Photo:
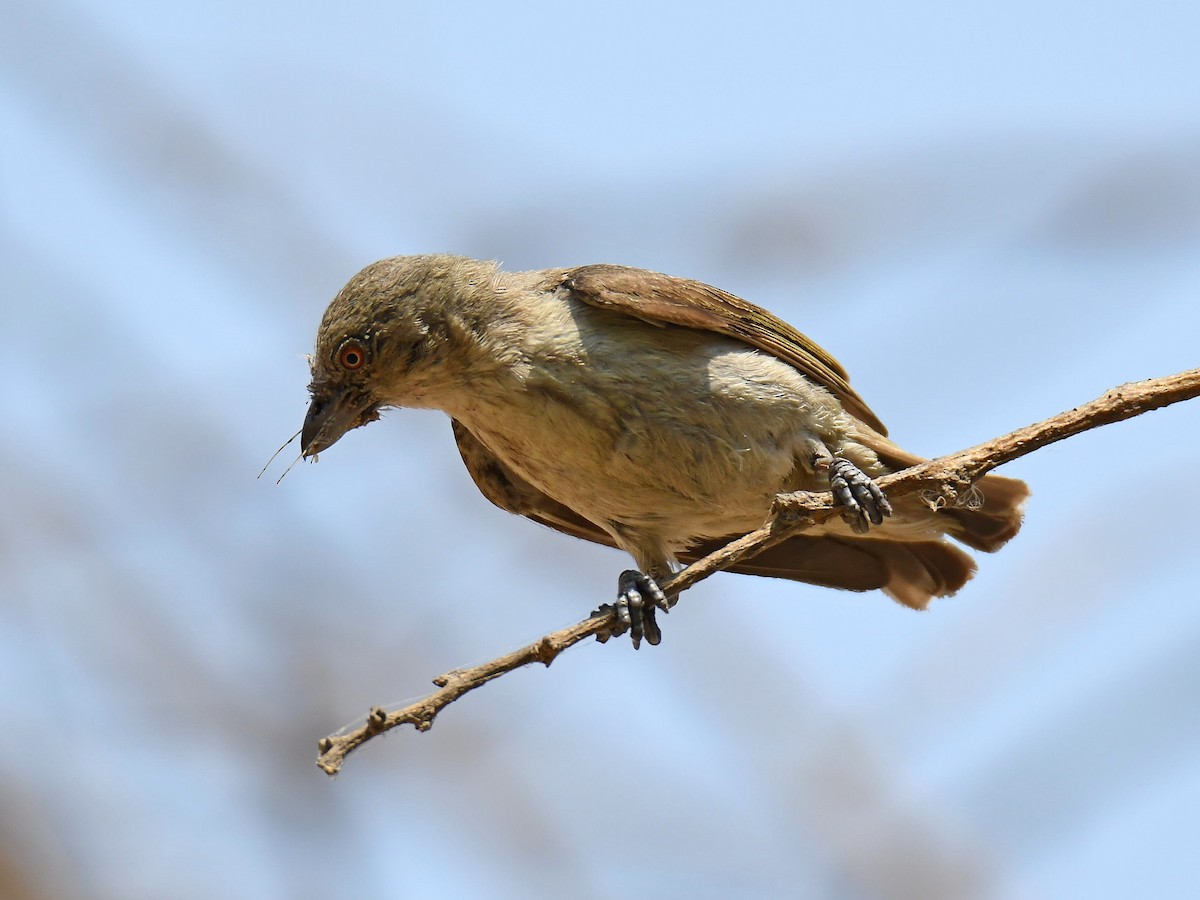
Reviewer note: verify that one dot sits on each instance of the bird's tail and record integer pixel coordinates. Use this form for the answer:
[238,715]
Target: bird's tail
[911,566]
[986,518]
[910,572]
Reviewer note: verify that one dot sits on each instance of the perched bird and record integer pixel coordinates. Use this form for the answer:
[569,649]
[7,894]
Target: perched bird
[642,411]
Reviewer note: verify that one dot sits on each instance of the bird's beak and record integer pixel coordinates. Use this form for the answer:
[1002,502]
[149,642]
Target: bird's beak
[332,413]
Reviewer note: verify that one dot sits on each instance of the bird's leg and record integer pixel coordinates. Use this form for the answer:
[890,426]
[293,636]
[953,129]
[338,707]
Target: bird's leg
[638,596]
[861,499]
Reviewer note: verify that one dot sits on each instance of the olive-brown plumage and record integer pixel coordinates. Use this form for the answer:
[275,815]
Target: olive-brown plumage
[641,411]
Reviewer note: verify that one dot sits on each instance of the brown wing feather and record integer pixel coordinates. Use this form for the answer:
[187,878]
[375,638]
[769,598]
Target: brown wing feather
[667,300]
[512,493]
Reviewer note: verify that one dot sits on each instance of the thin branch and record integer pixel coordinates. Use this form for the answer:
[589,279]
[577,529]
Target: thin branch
[940,480]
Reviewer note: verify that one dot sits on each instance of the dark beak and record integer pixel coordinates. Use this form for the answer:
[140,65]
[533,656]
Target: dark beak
[330,415]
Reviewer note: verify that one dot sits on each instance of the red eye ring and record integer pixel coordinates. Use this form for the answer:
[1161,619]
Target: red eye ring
[351,355]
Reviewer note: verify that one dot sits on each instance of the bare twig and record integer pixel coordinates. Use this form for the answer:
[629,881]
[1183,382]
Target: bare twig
[940,480]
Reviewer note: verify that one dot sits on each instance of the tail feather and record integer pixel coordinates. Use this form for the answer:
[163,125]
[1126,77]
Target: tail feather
[921,571]
[986,524]
[996,520]
[910,572]
[911,566]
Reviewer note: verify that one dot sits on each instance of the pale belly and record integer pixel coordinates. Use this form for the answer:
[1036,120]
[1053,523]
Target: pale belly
[666,460]
[656,476]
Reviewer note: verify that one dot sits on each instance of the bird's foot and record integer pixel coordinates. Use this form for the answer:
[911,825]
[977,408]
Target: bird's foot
[861,499]
[638,596]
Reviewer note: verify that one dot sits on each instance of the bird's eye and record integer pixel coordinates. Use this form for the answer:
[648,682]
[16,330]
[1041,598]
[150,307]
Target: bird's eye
[351,355]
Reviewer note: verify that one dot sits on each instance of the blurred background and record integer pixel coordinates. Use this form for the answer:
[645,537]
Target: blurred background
[988,214]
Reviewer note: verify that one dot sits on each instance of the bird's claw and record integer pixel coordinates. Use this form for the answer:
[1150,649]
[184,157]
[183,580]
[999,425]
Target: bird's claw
[638,597]
[861,499]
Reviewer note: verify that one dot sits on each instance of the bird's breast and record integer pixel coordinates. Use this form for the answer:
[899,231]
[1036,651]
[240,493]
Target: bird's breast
[685,441]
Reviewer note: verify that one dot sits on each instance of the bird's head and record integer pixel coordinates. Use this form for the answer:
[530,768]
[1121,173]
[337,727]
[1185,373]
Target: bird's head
[383,341]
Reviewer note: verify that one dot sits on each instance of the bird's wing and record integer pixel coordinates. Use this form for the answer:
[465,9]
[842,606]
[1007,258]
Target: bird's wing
[512,493]
[666,300]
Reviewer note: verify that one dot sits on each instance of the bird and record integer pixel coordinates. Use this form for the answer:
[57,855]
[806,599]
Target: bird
[647,412]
